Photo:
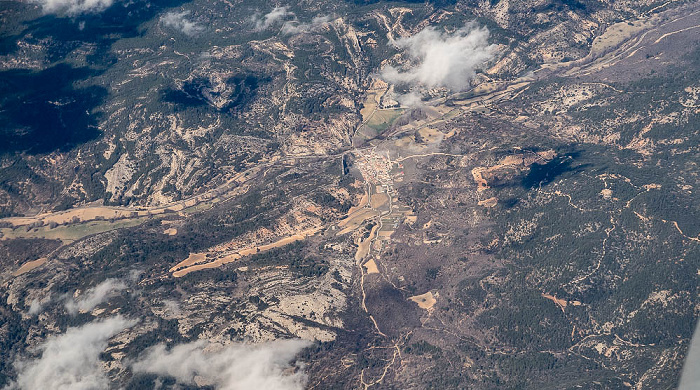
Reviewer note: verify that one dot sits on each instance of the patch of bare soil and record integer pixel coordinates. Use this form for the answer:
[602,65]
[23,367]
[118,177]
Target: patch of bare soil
[185,267]
[371,267]
[425,301]
[488,203]
[364,245]
[28,266]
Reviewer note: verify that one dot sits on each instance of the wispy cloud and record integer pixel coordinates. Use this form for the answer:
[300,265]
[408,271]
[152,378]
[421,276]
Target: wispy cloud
[177,21]
[172,307]
[37,305]
[442,59]
[235,366]
[74,7]
[278,14]
[71,360]
[95,296]
[295,27]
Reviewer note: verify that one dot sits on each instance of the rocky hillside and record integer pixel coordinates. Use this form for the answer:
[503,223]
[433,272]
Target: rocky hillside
[360,194]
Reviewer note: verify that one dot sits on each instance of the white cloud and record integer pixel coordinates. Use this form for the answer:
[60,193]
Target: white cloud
[294,27]
[70,361]
[232,367]
[94,296]
[177,21]
[441,59]
[276,15]
[411,99]
[75,7]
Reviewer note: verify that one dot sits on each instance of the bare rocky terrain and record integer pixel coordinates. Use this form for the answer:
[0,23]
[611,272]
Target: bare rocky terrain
[211,173]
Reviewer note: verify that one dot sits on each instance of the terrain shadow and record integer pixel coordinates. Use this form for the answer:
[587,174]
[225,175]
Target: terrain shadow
[199,92]
[42,111]
[121,20]
[543,174]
